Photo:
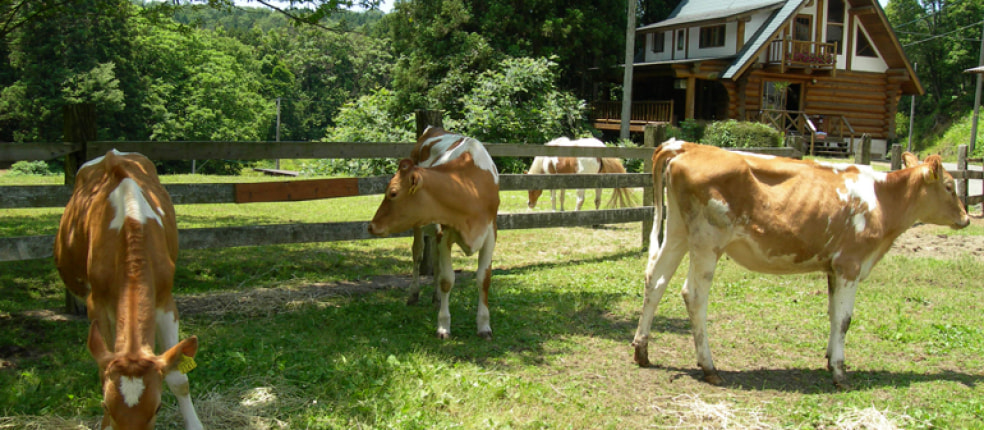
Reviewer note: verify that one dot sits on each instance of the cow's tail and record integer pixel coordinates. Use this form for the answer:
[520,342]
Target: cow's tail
[661,158]
[621,197]
[115,164]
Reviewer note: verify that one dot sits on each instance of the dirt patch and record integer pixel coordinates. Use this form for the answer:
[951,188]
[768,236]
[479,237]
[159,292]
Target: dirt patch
[263,301]
[927,241]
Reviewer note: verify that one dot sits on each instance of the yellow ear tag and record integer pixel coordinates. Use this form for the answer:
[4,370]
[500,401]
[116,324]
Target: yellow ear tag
[413,189]
[187,364]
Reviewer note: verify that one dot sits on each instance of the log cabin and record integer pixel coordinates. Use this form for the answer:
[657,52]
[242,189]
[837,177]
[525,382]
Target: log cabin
[827,71]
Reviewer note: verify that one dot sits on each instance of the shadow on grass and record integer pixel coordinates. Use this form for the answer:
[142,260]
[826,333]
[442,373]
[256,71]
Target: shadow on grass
[820,380]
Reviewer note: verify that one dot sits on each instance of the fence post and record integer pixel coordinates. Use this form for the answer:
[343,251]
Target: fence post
[424,119]
[862,153]
[79,128]
[964,183]
[652,133]
[896,156]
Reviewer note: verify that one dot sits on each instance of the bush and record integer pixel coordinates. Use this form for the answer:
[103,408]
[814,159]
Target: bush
[31,168]
[736,134]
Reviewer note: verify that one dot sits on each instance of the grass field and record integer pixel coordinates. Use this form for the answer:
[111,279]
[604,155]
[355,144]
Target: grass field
[318,336]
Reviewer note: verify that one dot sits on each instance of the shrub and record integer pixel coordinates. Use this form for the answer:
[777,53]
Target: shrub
[739,134]
[31,168]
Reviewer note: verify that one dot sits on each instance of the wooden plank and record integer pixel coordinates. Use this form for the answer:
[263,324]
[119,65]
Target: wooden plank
[26,247]
[36,247]
[295,191]
[34,196]
[10,152]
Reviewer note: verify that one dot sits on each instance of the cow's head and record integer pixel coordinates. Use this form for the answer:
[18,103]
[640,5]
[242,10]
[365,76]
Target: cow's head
[534,196]
[133,381]
[403,205]
[938,201]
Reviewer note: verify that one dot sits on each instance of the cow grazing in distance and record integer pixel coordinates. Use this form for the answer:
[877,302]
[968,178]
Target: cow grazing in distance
[779,216]
[116,247]
[621,197]
[450,180]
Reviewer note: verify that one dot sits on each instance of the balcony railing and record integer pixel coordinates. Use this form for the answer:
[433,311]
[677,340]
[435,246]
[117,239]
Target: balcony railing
[827,134]
[803,54]
[608,115]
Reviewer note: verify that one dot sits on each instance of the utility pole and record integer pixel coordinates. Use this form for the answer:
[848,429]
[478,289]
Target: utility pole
[277,161]
[627,78]
[977,96]
[912,111]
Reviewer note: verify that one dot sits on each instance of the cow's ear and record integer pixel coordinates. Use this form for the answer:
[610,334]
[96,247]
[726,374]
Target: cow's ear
[405,164]
[180,356]
[97,346]
[909,159]
[934,169]
[416,179]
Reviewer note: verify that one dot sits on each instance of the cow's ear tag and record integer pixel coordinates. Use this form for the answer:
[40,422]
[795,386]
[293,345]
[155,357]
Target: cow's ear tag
[187,364]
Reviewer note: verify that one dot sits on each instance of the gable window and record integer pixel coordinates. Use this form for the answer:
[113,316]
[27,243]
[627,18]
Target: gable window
[659,42]
[712,37]
[835,24]
[679,40]
[864,48]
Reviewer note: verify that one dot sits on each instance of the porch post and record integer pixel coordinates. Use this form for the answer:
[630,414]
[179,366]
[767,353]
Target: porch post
[627,77]
[691,95]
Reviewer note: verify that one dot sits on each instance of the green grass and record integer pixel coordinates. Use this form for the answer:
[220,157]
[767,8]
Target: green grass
[318,336]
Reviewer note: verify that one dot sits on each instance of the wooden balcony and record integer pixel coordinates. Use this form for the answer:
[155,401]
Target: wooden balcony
[830,135]
[608,115]
[798,54]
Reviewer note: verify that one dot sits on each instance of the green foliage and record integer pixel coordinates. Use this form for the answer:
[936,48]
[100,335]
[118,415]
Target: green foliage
[518,103]
[957,134]
[31,168]
[741,134]
[691,130]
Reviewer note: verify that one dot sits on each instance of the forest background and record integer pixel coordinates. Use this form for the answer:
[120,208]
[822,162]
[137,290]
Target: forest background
[519,71]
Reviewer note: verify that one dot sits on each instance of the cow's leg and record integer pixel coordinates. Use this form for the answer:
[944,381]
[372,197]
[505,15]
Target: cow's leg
[695,293]
[840,294]
[662,264]
[445,280]
[562,192]
[483,277]
[597,198]
[418,256]
[580,199]
[167,331]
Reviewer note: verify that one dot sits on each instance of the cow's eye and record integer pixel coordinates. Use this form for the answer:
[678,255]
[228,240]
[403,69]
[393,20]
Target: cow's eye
[392,193]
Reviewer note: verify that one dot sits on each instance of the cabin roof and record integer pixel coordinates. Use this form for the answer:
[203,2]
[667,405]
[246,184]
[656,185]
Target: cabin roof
[694,12]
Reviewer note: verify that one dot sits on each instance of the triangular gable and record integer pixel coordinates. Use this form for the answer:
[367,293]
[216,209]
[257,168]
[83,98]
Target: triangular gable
[760,40]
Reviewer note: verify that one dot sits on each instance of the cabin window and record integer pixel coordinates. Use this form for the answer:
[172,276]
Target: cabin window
[659,42]
[679,40]
[801,28]
[712,37]
[864,47]
[835,24]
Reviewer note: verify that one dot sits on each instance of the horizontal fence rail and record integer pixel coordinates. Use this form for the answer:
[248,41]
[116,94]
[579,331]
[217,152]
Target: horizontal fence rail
[34,247]
[36,196]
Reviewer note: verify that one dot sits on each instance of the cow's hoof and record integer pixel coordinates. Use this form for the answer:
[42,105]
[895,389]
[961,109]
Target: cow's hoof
[842,383]
[641,355]
[443,335]
[487,335]
[712,377]
[413,299]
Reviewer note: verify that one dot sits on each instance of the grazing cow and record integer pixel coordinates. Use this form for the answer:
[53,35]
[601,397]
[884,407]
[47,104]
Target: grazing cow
[116,247]
[455,184]
[777,215]
[621,197]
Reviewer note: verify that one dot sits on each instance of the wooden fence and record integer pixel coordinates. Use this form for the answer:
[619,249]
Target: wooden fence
[35,247]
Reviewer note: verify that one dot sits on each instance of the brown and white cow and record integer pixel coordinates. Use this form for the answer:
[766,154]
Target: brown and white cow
[116,247]
[777,215]
[453,183]
[621,197]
